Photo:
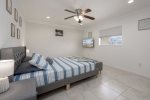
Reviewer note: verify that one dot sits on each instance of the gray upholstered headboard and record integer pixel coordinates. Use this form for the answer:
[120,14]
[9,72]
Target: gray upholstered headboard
[16,53]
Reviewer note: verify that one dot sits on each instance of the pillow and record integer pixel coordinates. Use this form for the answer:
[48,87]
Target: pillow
[26,59]
[49,60]
[35,55]
[39,61]
[26,67]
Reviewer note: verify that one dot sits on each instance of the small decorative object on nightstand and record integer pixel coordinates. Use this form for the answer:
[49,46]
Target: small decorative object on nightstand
[6,69]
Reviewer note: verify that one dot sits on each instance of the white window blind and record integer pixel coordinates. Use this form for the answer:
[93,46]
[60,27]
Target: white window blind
[115,31]
[111,36]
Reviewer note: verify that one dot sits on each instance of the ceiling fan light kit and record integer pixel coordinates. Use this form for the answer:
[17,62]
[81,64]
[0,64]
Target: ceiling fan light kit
[77,18]
[80,15]
[130,1]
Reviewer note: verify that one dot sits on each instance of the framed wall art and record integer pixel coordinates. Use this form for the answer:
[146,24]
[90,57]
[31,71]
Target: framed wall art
[9,6]
[58,32]
[20,21]
[89,34]
[12,30]
[15,14]
[144,24]
[18,33]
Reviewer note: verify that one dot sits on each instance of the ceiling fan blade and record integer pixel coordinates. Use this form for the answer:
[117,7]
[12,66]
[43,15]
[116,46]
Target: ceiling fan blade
[70,11]
[69,17]
[88,10]
[89,17]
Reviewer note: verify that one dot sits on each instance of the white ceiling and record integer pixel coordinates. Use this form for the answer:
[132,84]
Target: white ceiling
[37,10]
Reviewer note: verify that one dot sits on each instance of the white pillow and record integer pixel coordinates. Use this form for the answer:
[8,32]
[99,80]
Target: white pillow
[39,61]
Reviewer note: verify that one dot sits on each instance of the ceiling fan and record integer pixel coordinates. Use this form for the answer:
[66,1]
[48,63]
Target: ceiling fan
[79,15]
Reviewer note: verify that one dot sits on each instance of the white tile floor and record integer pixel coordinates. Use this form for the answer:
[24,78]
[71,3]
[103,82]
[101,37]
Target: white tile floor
[112,84]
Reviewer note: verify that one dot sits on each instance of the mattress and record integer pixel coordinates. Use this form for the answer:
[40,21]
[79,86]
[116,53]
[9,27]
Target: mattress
[62,68]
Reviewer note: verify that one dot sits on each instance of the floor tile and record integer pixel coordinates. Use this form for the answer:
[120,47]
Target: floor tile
[55,95]
[133,94]
[121,98]
[111,84]
[104,93]
[116,86]
[88,95]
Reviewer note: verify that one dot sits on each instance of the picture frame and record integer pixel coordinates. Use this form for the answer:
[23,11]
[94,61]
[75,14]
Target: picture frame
[9,6]
[58,32]
[18,33]
[144,24]
[12,30]
[20,21]
[89,34]
[16,14]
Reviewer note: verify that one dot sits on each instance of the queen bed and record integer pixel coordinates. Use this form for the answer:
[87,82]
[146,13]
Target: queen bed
[63,71]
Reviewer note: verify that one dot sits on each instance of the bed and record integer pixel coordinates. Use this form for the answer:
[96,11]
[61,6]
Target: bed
[63,71]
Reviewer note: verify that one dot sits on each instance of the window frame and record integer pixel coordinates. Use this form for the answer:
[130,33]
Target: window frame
[110,44]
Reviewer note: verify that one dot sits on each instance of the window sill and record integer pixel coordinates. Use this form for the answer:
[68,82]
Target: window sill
[111,45]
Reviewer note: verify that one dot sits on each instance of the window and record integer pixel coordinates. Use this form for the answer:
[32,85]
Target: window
[112,36]
[111,40]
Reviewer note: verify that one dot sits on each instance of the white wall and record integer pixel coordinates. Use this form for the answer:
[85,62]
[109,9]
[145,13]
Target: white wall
[134,54]
[5,26]
[40,38]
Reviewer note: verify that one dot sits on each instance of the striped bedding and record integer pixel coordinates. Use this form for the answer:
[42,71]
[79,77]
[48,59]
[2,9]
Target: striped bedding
[62,68]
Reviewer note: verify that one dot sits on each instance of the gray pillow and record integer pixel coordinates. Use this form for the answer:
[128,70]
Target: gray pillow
[49,60]
[26,59]
[26,67]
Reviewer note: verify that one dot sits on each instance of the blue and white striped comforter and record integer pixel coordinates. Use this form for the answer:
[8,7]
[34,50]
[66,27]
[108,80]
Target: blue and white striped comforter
[62,67]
